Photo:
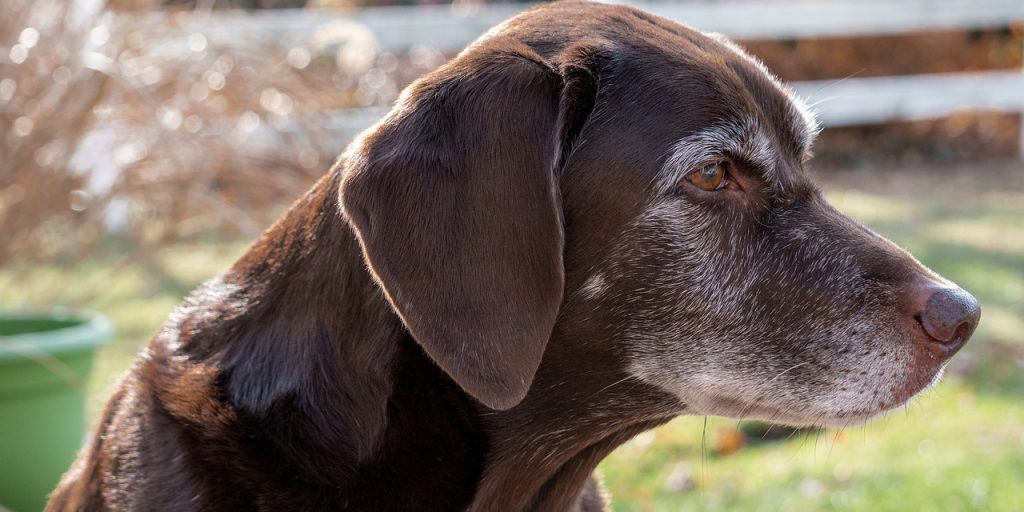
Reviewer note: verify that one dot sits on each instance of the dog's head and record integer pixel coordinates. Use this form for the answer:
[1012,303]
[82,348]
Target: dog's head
[642,185]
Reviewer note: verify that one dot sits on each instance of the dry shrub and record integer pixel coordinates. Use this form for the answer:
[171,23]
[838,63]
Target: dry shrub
[141,127]
[47,95]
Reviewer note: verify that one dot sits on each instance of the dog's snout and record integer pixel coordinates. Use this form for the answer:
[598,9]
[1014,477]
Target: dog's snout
[948,314]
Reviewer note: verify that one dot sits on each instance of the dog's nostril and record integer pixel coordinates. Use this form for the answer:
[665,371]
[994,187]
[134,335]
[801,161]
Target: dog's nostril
[950,316]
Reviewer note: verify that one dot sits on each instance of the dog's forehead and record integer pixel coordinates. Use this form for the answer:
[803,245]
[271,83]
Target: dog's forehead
[725,102]
[788,115]
[675,85]
[741,110]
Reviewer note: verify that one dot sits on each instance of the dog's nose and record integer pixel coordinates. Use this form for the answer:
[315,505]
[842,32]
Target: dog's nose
[949,316]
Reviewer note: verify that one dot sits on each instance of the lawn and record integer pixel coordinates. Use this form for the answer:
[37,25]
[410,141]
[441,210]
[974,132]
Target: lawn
[959,447]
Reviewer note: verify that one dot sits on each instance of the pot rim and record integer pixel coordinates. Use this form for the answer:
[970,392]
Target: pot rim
[91,330]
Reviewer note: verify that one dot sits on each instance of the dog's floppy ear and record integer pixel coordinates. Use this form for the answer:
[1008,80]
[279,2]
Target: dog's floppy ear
[453,197]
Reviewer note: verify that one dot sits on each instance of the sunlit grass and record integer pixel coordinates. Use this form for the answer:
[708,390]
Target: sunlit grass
[954,449]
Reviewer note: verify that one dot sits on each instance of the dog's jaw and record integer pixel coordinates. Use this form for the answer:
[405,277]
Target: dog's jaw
[834,412]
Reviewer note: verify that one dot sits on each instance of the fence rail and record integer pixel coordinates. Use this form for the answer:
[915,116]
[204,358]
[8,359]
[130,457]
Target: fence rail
[913,97]
[839,102]
[450,27]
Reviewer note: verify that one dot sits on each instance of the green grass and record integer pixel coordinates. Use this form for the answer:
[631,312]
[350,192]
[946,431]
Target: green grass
[135,296]
[959,447]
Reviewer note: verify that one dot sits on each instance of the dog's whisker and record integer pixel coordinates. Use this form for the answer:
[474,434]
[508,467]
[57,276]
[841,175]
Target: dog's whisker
[771,425]
[704,456]
[787,370]
[835,438]
[834,83]
[609,386]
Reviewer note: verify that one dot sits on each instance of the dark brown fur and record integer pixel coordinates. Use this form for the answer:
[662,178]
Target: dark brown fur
[412,334]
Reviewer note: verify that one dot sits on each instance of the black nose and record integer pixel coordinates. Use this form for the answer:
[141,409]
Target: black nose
[950,316]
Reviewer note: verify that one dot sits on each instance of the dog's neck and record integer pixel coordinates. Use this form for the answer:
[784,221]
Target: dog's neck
[319,370]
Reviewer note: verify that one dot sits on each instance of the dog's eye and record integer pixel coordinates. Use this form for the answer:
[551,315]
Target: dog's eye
[711,177]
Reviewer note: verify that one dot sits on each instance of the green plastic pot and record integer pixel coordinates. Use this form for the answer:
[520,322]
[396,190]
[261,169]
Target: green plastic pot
[44,362]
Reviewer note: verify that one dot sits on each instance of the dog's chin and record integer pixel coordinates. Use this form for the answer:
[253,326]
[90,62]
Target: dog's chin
[822,412]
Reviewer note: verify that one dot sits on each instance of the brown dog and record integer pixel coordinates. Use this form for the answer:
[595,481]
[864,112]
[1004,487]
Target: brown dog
[589,222]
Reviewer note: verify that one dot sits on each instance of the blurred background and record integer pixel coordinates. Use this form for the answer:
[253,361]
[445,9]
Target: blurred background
[144,143]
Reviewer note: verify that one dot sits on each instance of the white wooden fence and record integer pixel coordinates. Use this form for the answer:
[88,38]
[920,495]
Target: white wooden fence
[845,102]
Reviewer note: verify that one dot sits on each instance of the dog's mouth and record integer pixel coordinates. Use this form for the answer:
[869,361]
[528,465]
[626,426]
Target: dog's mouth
[909,372]
[868,389]
[813,416]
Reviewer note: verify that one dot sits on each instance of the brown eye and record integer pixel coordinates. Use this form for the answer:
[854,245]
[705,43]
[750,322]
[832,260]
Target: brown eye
[711,177]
